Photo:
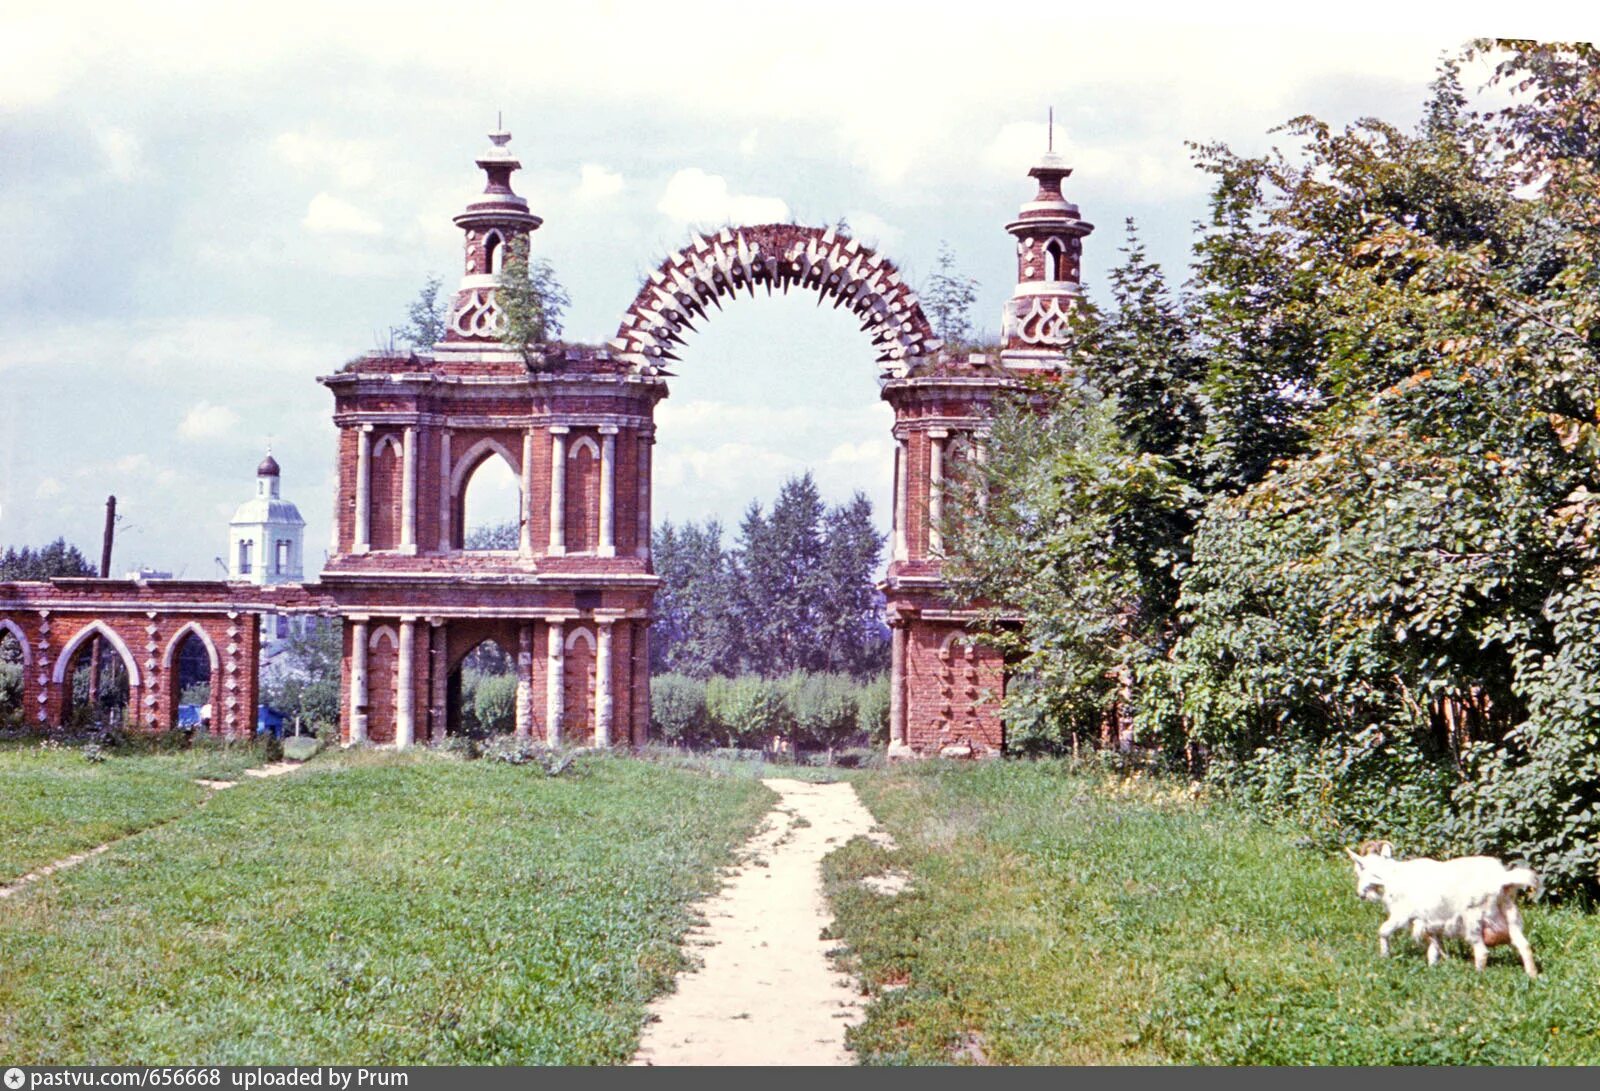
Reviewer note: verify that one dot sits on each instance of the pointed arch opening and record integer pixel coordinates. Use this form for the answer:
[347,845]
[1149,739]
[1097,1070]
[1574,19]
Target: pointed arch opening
[191,669]
[14,662]
[1055,260]
[101,674]
[481,699]
[494,252]
[487,493]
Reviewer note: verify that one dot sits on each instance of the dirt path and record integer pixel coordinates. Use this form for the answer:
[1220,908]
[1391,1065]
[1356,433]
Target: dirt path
[765,993]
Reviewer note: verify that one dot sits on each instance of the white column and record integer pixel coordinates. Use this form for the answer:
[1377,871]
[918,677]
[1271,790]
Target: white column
[558,489]
[899,517]
[525,681]
[936,439]
[602,685]
[439,691]
[980,453]
[405,698]
[644,442]
[525,543]
[444,490]
[608,490]
[555,693]
[358,682]
[408,491]
[897,688]
[363,539]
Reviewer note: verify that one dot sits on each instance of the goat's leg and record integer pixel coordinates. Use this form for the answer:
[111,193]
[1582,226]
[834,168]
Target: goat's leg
[1520,941]
[1480,953]
[1435,952]
[1385,930]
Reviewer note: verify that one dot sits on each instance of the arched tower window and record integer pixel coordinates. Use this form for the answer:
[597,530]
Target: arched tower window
[245,549]
[493,252]
[1055,260]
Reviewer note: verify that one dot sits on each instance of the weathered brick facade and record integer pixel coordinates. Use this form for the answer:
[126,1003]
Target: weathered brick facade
[571,602]
[144,624]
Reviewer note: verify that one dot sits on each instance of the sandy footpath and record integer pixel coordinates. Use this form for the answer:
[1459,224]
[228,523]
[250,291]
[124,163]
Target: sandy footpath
[765,992]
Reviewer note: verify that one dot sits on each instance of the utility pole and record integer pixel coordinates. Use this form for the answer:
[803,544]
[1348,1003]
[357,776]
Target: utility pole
[105,573]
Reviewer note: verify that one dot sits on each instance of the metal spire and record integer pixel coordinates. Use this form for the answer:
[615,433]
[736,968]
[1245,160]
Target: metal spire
[1050,145]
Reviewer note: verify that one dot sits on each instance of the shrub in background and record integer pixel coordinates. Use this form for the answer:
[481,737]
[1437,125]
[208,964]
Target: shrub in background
[678,710]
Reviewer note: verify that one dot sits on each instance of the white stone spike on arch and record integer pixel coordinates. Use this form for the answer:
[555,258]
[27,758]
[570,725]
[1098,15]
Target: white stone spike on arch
[382,633]
[205,639]
[95,628]
[475,457]
[9,626]
[771,256]
[580,634]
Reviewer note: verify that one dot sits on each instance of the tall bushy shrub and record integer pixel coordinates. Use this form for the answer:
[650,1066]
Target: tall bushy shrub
[494,702]
[748,710]
[823,708]
[678,711]
[872,710]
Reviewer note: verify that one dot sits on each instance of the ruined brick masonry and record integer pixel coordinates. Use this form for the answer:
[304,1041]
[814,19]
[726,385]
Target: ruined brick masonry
[571,603]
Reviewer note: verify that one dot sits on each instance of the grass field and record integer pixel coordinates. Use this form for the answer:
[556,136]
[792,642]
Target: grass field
[376,908]
[54,803]
[1072,918]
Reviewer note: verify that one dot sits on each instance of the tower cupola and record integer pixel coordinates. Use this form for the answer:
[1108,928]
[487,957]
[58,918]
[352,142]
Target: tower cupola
[490,225]
[1049,233]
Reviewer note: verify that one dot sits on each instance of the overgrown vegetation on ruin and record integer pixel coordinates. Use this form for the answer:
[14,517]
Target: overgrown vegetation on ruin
[1325,522]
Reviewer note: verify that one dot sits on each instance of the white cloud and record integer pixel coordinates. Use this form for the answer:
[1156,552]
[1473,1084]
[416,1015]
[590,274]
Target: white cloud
[123,152]
[328,215]
[352,162]
[872,230]
[47,488]
[206,421]
[1156,167]
[694,197]
[596,182]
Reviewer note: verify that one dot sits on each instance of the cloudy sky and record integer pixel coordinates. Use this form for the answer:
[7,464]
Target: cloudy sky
[202,212]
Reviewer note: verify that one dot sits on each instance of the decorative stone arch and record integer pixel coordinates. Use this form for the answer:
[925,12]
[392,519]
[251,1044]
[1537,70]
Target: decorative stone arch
[781,256]
[97,628]
[380,633]
[468,464]
[9,626]
[579,444]
[476,456]
[178,638]
[948,648]
[388,438]
[580,635]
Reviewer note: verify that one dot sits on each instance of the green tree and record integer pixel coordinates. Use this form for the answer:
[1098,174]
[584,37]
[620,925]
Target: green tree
[56,559]
[947,299]
[532,300]
[303,681]
[428,316]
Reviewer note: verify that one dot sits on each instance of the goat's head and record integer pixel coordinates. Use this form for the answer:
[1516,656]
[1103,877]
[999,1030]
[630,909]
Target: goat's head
[1370,865]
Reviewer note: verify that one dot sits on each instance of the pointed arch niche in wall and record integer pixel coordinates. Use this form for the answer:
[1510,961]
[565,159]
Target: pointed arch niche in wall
[486,498]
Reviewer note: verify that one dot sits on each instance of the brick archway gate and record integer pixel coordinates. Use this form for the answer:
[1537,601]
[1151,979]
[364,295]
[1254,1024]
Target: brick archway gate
[576,426]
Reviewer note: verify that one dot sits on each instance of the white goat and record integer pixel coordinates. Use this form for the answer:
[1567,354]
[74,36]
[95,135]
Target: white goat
[1473,898]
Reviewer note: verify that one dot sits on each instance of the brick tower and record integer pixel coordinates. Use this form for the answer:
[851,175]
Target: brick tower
[571,602]
[945,688]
